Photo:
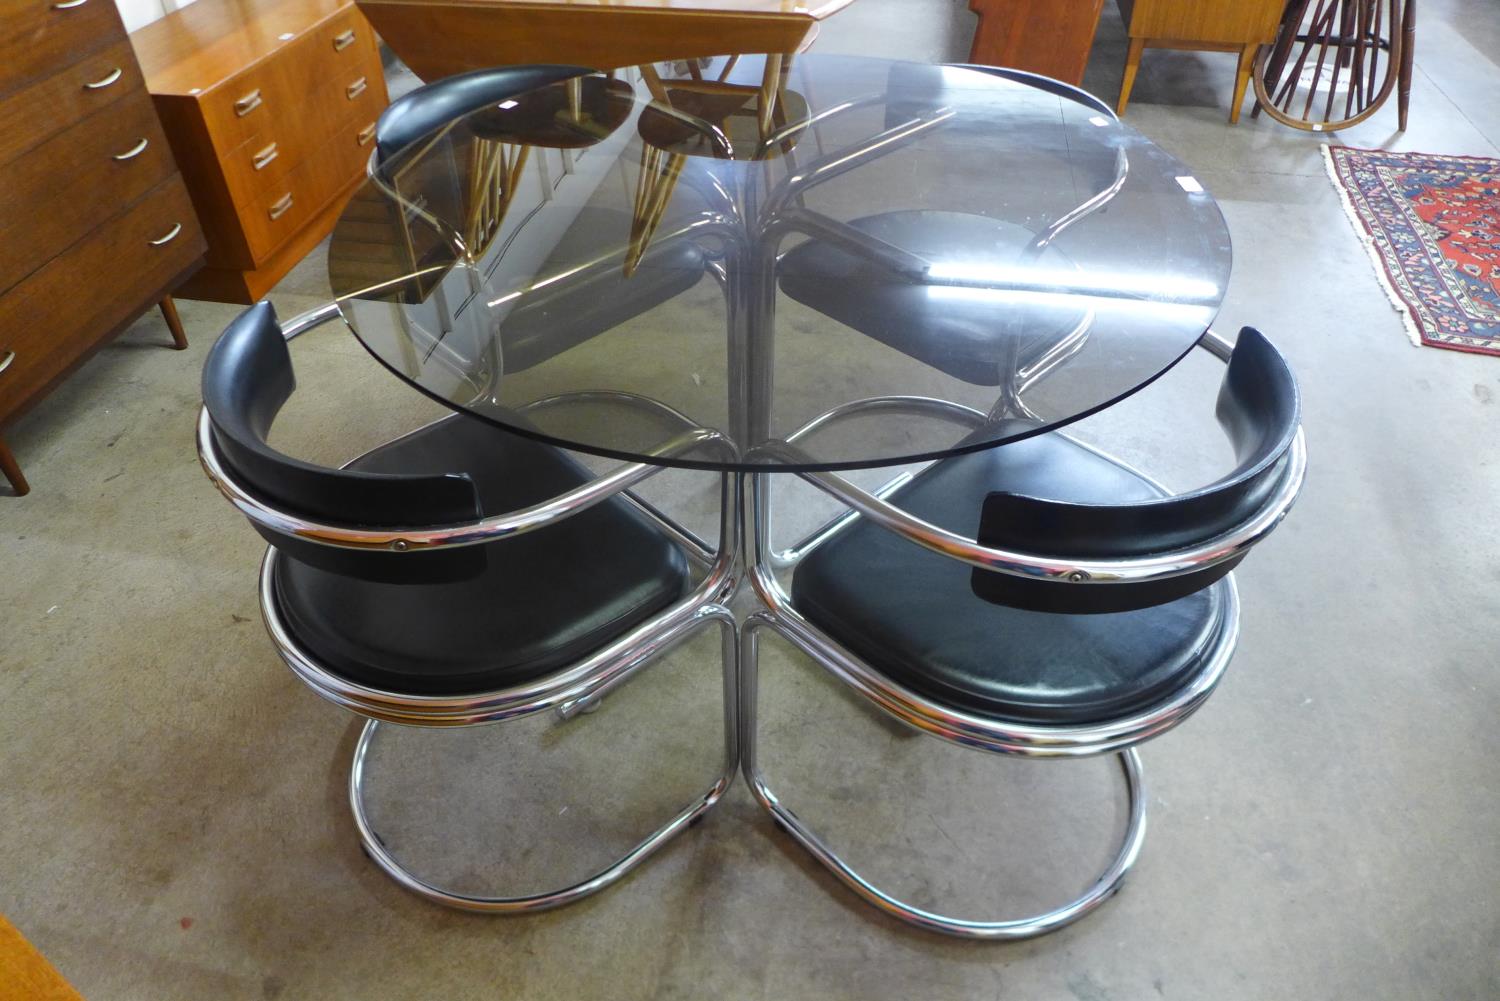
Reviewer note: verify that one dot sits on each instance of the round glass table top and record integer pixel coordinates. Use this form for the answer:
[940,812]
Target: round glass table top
[781,262]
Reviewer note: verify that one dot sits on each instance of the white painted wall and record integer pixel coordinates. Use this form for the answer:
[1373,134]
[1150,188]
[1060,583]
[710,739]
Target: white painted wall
[142,12]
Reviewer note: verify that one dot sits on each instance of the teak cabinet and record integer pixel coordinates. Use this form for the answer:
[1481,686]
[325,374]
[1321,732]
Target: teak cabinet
[1050,37]
[1239,26]
[270,107]
[95,223]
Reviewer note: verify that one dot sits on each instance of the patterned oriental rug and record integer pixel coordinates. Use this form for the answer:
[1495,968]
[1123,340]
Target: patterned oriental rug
[1431,225]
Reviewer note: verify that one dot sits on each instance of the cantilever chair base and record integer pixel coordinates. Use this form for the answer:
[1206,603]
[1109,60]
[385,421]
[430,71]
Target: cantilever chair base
[381,855]
[621,661]
[837,661]
[1101,890]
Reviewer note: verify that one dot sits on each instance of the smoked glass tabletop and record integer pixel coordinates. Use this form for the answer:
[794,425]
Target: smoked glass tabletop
[781,262]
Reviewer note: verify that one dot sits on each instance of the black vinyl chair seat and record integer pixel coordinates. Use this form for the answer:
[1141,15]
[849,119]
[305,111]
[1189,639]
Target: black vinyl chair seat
[544,599]
[965,334]
[569,312]
[913,615]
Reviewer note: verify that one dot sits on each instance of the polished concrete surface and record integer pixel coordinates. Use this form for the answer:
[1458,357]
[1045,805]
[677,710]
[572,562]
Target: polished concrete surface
[172,812]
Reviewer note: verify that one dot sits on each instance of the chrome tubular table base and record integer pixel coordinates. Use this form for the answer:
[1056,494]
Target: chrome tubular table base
[611,873]
[1008,929]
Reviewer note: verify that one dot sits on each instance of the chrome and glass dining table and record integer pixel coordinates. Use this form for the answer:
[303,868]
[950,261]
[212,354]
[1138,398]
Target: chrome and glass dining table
[854,263]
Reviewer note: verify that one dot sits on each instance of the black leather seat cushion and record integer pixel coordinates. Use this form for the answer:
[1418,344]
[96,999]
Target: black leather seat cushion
[568,312]
[967,333]
[546,599]
[912,614]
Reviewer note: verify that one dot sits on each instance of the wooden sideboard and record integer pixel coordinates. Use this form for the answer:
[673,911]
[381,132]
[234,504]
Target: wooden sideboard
[95,223]
[1208,25]
[270,107]
[1050,37]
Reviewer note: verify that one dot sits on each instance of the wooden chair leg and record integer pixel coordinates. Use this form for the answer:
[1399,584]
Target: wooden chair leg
[1132,63]
[1408,54]
[12,470]
[174,323]
[1242,80]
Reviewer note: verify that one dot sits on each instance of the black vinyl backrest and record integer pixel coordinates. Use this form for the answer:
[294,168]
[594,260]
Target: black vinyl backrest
[1258,407]
[429,107]
[246,380]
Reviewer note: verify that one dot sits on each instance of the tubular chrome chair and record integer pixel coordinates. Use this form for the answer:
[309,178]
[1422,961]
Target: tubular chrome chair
[455,576]
[1037,599]
[545,322]
[904,314]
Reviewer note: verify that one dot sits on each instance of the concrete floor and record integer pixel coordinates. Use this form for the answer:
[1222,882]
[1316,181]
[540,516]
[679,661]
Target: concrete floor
[172,822]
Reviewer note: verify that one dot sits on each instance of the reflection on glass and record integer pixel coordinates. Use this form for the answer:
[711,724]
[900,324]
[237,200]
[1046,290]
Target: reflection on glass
[749,242]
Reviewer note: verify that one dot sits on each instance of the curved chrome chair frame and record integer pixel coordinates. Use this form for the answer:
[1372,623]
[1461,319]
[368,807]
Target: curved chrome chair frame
[927,716]
[569,692]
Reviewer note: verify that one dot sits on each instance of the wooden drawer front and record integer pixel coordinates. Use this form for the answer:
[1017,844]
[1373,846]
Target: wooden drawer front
[52,195]
[38,39]
[304,192]
[32,115]
[260,167]
[303,87]
[61,310]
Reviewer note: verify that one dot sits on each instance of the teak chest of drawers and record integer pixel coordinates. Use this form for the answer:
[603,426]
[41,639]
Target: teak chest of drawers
[95,223]
[270,107]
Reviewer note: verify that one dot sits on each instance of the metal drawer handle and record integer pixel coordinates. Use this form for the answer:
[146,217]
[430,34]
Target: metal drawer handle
[134,151]
[170,236]
[366,134]
[343,40]
[68,4]
[10,356]
[263,159]
[282,204]
[248,103]
[356,88]
[106,81]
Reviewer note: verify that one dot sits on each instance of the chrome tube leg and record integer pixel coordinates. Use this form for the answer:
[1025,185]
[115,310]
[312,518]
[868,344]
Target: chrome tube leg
[1015,928]
[604,877]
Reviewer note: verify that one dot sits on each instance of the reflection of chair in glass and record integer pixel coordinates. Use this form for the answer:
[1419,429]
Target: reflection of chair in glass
[1039,599]
[953,322]
[458,575]
[582,291]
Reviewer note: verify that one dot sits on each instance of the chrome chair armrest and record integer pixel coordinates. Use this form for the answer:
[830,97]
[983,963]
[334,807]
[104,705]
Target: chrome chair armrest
[1043,240]
[486,530]
[1040,566]
[303,322]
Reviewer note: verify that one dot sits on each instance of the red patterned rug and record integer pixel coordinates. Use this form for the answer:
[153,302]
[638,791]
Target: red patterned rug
[1432,227]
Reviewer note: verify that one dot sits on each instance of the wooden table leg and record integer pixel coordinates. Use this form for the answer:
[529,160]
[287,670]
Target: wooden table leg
[1242,80]
[1132,63]
[174,323]
[1408,53]
[12,470]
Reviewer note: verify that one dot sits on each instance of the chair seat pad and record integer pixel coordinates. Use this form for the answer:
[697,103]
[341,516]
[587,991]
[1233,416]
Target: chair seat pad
[569,312]
[969,333]
[912,614]
[546,599]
